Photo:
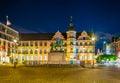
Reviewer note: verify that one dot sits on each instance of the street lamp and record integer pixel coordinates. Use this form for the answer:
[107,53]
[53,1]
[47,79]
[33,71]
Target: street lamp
[93,39]
[14,57]
[104,46]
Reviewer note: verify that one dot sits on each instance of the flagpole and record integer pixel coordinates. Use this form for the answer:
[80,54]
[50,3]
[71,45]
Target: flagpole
[7,21]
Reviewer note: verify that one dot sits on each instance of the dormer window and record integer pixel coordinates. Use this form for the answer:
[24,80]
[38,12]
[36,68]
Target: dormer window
[84,38]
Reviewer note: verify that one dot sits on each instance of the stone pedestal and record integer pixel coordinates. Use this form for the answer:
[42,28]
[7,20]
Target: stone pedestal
[57,58]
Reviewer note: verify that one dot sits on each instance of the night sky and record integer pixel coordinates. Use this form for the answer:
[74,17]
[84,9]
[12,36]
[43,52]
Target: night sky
[41,16]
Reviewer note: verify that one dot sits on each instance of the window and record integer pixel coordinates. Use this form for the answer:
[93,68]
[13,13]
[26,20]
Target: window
[19,58]
[81,50]
[40,43]
[84,38]
[4,43]
[76,50]
[23,44]
[80,43]
[26,43]
[31,43]
[45,44]
[90,58]
[90,50]
[85,43]
[31,57]
[71,50]
[35,51]
[40,57]
[71,43]
[45,58]
[90,43]
[31,51]
[85,57]
[80,57]
[40,51]
[45,51]
[77,43]
[26,58]
[36,44]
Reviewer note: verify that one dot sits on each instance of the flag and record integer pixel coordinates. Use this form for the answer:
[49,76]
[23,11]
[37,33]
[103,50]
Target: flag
[3,47]
[7,21]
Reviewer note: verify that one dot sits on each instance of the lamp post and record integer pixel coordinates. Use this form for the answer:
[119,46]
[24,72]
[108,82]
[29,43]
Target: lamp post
[93,39]
[14,57]
[104,47]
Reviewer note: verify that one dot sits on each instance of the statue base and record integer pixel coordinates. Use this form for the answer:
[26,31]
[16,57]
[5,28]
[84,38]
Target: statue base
[57,58]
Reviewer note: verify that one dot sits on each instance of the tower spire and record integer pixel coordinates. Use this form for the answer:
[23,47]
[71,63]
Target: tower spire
[71,27]
[70,18]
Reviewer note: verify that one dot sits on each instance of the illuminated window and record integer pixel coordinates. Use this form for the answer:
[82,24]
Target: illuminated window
[90,57]
[36,52]
[90,50]
[45,51]
[80,57]
[31,57]
[19,58]
[23,58]
[45,57]
[31,51]
[26,57]
[85,57]
[40,51]
[81,50]
[40,57]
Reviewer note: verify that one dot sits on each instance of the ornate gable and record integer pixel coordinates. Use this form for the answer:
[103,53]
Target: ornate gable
[58,34]
[84,36]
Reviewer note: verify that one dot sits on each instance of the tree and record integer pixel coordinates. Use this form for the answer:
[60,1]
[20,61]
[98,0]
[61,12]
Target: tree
[106,57]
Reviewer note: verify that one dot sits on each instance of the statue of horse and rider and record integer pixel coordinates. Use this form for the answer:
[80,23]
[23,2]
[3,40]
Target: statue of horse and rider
[57,44]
